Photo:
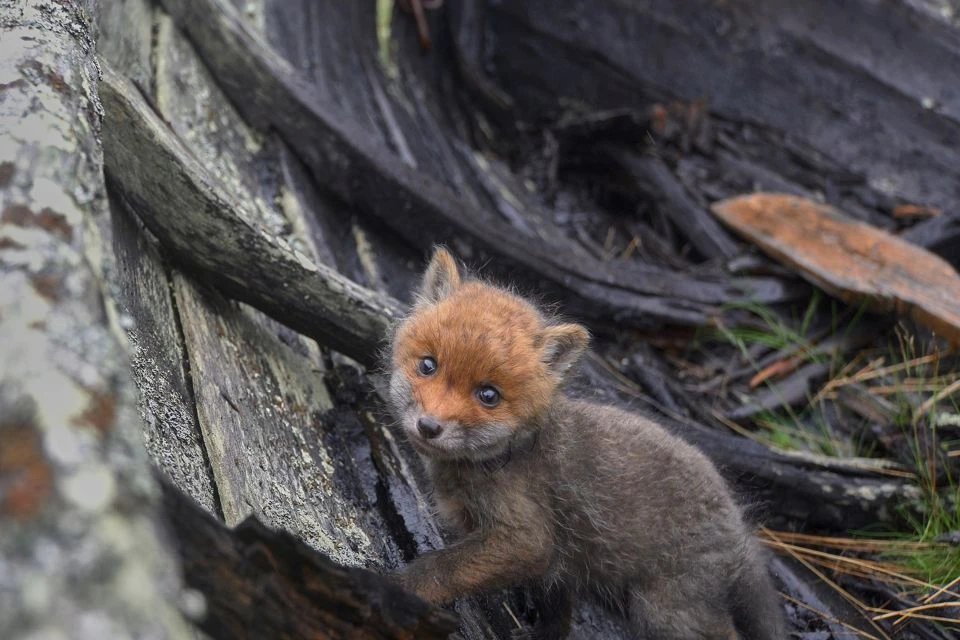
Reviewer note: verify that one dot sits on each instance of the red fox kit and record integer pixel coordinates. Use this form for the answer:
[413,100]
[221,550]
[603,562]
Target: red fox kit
[576,497]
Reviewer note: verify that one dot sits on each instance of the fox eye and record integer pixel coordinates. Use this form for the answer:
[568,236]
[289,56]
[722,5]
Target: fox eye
[488,396]
[427,366]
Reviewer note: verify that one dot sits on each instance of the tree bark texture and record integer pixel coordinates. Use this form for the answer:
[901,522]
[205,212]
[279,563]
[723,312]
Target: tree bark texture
[81,553]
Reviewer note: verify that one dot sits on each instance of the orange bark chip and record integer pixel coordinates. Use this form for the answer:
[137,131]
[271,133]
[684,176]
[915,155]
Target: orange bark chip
[852,260]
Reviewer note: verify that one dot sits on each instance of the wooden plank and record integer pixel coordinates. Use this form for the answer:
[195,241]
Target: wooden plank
[852,260]
[165,397]
[125,40]
[261,400]
[262,409]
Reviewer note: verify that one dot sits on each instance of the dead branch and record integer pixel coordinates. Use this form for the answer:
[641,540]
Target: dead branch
[209,232]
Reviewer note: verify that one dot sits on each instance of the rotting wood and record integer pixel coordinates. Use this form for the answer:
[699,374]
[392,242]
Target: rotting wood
[369,177]
[261,583]
[852,260]
[170,429]
[272,452]
[205,229]
[262,409]
[81,552]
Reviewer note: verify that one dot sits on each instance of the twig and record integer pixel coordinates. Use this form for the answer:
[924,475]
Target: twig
[933,400]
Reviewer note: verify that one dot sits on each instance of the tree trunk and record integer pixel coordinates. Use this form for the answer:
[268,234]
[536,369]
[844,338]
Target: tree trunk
[81,553]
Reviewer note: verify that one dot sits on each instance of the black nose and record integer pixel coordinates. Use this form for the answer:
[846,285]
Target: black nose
[429,427]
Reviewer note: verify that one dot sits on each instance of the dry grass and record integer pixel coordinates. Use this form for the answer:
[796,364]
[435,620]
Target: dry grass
[877,560]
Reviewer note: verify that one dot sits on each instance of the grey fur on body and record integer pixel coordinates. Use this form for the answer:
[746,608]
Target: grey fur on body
[598,502]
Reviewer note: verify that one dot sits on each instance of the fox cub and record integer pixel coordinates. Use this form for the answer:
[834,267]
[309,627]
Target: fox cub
[578,498]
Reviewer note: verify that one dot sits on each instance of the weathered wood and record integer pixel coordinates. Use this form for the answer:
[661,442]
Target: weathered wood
[334,47]
[272,452]
[124,40]
[796,389]
[166,403]
[852,260]
[206,229]
[262,409]
[827,606]
[656,181]
[367,176]
[267,458]
[261,583]
[165,399]
[940,235]
[239,159]
[869,86]
[81,553]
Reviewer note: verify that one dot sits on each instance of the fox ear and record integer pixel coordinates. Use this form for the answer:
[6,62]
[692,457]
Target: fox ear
[563,344]
[440,279]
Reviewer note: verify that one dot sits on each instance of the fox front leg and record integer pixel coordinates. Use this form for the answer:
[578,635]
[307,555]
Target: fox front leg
[477,563]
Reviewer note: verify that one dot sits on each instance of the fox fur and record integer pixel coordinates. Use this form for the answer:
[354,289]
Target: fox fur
[577,498]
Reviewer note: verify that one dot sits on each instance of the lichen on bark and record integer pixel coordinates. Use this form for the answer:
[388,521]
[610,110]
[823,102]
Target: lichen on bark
[81,554]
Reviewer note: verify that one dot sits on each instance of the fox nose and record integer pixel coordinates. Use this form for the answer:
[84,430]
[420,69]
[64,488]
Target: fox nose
[429,427]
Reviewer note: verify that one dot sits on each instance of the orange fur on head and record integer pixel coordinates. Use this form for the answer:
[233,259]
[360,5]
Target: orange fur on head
[482,335]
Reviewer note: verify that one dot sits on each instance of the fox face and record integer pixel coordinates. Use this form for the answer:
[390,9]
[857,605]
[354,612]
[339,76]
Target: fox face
[475,365]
